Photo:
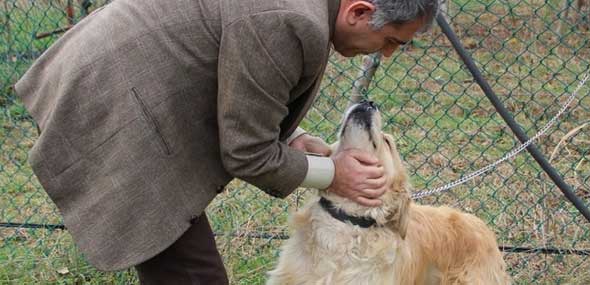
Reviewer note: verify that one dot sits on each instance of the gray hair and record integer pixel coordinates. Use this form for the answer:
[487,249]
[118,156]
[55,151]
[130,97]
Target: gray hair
[399,12]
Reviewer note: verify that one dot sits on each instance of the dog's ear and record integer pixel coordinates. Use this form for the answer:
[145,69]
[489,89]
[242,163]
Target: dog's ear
[399,217]
[404,218]
[400,194]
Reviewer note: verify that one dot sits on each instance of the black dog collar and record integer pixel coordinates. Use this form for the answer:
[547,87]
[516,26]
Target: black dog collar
[338,214]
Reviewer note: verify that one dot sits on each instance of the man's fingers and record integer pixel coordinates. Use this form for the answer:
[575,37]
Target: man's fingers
[374,193]
[374,172]
[368,202]
[375,183]
[364,157]
[311,144]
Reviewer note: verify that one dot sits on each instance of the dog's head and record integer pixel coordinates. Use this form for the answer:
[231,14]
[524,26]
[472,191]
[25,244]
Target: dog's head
[361,128]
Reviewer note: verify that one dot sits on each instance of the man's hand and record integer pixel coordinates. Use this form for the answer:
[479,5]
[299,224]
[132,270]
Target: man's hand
[309,143]
[359,177]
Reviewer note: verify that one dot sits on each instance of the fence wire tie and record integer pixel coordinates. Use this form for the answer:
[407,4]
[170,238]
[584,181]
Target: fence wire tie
[512,153]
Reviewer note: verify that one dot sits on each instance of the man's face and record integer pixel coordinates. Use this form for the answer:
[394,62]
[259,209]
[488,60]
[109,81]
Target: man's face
[354,35]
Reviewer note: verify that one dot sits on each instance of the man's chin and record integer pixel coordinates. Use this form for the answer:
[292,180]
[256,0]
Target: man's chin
[348,53]
[353,53]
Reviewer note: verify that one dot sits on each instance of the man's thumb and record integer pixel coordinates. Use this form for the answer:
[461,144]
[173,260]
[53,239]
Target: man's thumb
[325,149]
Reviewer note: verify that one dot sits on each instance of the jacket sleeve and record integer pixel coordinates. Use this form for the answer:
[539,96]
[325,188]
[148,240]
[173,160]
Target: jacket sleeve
[260,62]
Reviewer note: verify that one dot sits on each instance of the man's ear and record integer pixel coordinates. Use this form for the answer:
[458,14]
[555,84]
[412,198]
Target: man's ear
[359,11]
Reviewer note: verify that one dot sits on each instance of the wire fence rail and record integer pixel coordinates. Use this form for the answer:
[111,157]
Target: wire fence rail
[532,53]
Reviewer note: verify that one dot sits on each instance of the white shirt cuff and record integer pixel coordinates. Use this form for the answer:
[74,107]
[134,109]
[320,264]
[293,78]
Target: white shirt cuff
[320,172]
[298,131]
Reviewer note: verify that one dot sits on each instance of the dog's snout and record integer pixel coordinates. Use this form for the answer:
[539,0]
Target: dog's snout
[364,114]
[367,104]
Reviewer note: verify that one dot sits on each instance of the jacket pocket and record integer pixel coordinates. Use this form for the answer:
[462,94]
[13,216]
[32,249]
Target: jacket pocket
[151,121]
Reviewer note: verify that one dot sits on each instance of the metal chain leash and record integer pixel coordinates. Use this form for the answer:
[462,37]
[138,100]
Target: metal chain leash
[514,152]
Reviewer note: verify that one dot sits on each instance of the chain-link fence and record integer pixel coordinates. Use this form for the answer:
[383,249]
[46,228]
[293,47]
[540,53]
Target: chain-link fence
[532,53]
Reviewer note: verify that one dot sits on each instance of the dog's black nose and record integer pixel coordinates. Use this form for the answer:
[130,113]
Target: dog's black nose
[367,104]
[363,113]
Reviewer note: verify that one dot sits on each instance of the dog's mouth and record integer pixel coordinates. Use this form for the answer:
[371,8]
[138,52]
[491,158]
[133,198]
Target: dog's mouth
[362,113]
[361,127]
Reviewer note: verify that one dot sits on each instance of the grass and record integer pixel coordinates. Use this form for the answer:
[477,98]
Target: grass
[445,128]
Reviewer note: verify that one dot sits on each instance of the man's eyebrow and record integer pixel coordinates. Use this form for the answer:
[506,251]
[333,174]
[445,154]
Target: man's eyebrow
[398,41]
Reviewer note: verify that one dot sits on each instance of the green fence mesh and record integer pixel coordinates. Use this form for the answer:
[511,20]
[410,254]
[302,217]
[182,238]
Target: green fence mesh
[533,53]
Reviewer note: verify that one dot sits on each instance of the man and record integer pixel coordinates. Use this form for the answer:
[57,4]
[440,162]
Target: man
[147,109]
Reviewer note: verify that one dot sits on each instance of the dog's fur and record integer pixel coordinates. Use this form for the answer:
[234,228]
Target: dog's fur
[411,244]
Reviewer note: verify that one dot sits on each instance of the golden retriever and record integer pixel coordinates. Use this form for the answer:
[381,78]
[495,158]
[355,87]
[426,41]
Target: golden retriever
[336,241]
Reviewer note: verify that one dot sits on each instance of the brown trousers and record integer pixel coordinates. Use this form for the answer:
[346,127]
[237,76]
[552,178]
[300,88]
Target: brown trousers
[192,259]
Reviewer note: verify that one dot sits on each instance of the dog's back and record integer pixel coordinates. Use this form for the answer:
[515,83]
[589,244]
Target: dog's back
[450,247]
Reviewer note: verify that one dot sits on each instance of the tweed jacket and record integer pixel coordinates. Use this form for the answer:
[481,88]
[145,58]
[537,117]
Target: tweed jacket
[147,109]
